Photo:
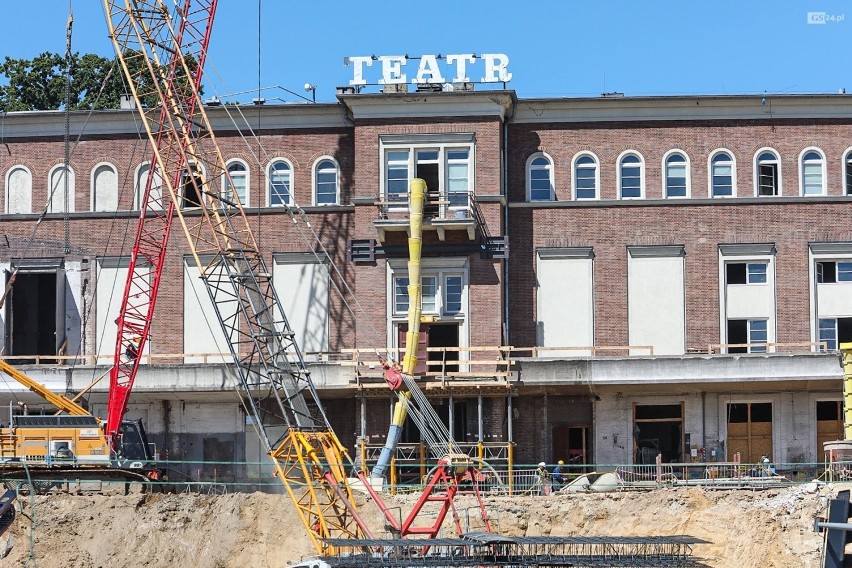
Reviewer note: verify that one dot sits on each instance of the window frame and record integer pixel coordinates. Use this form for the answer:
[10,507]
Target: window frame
[846,171]
[268,182]
[710,173]
[831,343]
[72,190]
[418,143]
[315,171]
[551,176]
[687,173]
[93,179]
[597,176]
[756,162]
[8,177]
[619,173]
[226,191]
[823,172]
[201,171]
[750,331]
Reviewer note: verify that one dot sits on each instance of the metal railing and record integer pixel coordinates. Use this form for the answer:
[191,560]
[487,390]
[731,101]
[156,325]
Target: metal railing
[478,361]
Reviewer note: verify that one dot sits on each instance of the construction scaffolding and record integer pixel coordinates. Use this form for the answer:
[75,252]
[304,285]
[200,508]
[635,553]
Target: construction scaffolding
[491,550]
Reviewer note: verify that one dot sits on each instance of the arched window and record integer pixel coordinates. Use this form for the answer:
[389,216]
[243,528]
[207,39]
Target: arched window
[191,184]
[676,180]
[326,182]
[58,201]
[540,178]
[279,183]
[586,179]
[19,190]
[723,177]
[631,176]
[155,197]
[104,188]
[812,168]
[237,187]
[767,171]
[847,172]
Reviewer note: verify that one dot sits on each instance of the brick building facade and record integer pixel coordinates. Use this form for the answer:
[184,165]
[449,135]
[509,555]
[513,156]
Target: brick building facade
[671,271]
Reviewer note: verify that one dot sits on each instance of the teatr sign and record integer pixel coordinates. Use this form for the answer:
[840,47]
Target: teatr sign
[394,68]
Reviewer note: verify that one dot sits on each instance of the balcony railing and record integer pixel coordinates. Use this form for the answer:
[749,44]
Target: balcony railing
[445,211]
[463,362]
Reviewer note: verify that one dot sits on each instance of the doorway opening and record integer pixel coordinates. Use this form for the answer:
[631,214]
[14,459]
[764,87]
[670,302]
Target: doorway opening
[750,430]
[35,317]
[572,444]
[657,429]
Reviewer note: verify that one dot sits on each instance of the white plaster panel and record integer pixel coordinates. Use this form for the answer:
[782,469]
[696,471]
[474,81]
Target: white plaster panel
[203,418]
[19,197]
[565,305]
[834,300]
[750,301]
[656,304]
[202,333]
[105,189]
[110,282]
[57,188]
[303,289]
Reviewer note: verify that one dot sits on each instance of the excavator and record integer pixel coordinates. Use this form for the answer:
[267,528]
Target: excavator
[38,450]
[161,47]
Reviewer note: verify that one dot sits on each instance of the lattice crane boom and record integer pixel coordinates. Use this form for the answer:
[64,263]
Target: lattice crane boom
[148,37]
[156,209]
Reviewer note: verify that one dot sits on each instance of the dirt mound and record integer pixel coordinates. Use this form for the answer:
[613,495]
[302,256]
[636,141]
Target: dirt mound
[770,528]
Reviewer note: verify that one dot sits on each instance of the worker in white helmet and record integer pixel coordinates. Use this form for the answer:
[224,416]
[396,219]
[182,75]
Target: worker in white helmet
[542,479]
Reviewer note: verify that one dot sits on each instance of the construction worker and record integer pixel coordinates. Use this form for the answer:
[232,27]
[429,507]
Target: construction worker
[542,479]
[132,349]
[558,473]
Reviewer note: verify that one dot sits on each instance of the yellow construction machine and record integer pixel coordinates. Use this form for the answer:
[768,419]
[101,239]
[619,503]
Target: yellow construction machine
[40,450]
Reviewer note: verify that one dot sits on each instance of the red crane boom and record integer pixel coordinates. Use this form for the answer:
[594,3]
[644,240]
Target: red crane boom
[190,43]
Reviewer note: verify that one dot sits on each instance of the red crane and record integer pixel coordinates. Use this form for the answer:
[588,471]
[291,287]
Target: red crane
[187,39]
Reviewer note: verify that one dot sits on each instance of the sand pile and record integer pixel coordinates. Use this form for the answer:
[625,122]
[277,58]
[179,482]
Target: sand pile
[769,528]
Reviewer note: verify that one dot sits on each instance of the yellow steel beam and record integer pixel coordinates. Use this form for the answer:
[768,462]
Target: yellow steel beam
[57,400]
[846,352]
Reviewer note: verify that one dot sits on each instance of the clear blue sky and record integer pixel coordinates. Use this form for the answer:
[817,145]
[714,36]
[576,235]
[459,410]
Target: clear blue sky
[556,47]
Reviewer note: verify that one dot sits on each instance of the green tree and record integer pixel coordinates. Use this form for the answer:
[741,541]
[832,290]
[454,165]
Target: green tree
[96,82]
[39,83]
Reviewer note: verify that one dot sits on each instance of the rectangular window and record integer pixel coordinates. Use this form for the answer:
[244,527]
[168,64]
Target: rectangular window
[458,177]
[427,168]
[400,295]
[428,285]
[453,294]
[757,334]
[676,180]
[746,272]
[586,188]
[396,176]
[743,333]
[446,300]
[828,333]
[831,272]
[756,272]
[445,169]
[631,181]
[428,303]
[723,185]
[812,178]
[849,174]
[767,179]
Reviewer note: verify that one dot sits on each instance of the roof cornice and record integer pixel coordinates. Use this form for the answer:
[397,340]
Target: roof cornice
[427,105]
[225,118]
[685,108]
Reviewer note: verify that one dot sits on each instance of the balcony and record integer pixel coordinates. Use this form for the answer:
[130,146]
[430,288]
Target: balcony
[443,212]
